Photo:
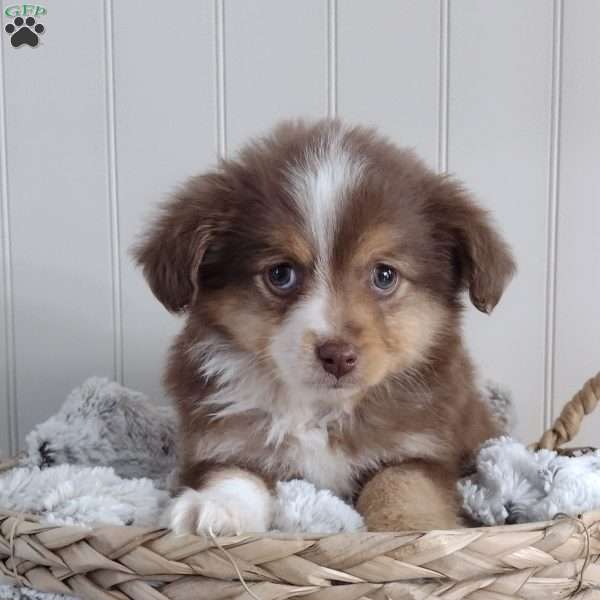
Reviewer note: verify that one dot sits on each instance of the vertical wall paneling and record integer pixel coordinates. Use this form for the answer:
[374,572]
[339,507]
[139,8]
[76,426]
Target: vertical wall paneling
[578,244]
[388,69]
[553,171]
[499,124]
[166,116]
[59,216]
[443,85]
[276,64]
[122,101]
[7,380]
[115,252]
[332,61]
[219,9]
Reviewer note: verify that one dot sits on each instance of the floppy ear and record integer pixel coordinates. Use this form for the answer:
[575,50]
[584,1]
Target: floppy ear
[483,260]
[171,250]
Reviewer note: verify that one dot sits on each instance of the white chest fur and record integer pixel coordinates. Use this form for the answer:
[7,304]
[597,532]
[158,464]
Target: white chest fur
[304,453]
[290,434]
[308,454]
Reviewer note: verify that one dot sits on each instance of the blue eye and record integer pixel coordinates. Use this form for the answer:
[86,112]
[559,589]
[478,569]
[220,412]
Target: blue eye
[282,277]
[384,277]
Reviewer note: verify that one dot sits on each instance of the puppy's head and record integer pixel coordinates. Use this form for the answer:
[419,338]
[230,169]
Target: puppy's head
[332,257]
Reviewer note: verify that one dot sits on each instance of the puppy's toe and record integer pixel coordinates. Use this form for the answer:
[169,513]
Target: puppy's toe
[205,513]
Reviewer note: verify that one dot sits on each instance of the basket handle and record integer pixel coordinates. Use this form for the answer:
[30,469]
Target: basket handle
[567,425]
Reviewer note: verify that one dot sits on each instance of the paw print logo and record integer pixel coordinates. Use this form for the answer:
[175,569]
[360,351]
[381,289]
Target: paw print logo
[24,32]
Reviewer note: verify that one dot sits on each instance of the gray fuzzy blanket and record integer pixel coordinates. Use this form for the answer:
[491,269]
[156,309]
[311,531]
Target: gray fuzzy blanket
[108,457]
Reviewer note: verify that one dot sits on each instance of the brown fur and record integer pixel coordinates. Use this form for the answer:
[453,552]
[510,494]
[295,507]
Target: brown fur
[415,495]
[415,398]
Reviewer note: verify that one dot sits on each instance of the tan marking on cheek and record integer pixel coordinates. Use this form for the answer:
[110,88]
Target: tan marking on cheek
[413,328]
[392,335]
[376,361]
[250,325]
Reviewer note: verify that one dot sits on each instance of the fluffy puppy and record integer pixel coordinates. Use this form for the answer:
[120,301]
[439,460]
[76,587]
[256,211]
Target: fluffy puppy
[321,273]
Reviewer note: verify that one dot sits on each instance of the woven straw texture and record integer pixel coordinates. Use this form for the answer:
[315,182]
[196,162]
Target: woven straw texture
[542,561]
[545,561]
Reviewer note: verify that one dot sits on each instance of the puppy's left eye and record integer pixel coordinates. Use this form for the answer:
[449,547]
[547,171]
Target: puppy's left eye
[384,278]
[282,277]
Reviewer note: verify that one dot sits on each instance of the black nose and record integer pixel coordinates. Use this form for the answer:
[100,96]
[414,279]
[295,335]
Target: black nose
[337,358]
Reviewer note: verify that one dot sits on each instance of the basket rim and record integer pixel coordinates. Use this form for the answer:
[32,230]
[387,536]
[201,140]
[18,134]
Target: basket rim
[588,518]
[84,560]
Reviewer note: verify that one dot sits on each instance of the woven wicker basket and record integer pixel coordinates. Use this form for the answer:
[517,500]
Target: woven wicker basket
[550,560]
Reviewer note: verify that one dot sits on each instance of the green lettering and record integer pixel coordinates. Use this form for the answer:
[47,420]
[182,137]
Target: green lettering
[12,11]
[40,10]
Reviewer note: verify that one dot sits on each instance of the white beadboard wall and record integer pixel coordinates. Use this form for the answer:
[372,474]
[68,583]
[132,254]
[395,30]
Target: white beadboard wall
[123,99]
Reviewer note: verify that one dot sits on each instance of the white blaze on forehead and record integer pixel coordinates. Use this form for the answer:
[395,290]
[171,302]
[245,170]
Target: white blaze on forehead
[309,315]
[319,184]
[313,311]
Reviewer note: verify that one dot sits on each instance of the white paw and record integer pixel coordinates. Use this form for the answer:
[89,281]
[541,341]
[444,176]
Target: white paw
[221,510]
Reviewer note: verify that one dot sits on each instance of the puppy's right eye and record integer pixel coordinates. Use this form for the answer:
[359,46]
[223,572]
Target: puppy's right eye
[384,278]
[282,278]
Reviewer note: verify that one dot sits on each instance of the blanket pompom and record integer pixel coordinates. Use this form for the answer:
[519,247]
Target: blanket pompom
[512,484]
[299,506]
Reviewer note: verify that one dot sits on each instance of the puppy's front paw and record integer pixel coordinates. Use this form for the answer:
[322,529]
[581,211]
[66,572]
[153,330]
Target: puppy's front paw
[221,512]
[198,513]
